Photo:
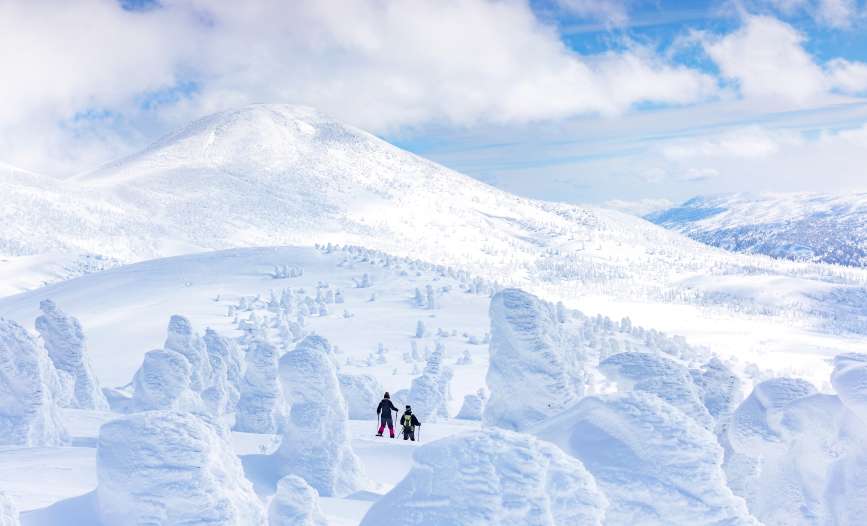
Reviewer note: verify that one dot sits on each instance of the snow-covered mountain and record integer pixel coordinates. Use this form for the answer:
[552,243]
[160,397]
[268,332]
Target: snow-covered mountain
[797,226]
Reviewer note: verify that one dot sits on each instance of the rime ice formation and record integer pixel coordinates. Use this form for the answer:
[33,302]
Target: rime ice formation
[163,382]
[8,511]
[659,375]
[797,456]
[261,404]
[295,504]
[233,359]
[182,339]
[472,407]
[655,464]
[28,385]
[362,393]
[531,376]
[720,390]
[492,477]
[429,393]
[66,345]
[316,444]
[164,467]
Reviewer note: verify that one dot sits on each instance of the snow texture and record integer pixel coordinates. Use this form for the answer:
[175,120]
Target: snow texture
[850,381]
[492,476]
[163,382]
[8,511]
[531,376]
[224,350]
[261,405]
[67,347]
[316,443]
[295,504]
[655,464]
[429,393]
[164,467]
[471,409]
[362,393]
[28,385]
[658,375]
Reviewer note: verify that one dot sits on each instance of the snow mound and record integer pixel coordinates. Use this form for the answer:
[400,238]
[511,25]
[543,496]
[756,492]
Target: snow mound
[658,375]
[8,511]
[66,345]
[316,443]
[720,390]
[163,382]
[797,456]
[655,464]
[429,393]
[164,467]
[261,405]
[362,393]
[492,476]
[182,339]
[531,376]
[28,386]
[295,504]
[850,381]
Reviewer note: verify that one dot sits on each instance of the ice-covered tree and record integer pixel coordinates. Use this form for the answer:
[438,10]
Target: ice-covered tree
[295,503]
[261,405]
[67,348]
[164,382]
[182,339]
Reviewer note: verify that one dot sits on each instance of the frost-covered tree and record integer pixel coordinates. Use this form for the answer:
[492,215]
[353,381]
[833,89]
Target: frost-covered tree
[182,339]
[295,503]
[28,385]
[165,467]
[164,382]
[227,352]
[67,347]
[316,444]
[431,297]
[420,330]
[261,405]
[429,393]
[362,393]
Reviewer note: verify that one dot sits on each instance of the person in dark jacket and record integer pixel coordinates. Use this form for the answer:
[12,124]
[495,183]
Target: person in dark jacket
[384,411]
[409,423]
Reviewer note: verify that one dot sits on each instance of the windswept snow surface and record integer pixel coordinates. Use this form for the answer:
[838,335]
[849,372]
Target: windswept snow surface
[799,226]
[8,511]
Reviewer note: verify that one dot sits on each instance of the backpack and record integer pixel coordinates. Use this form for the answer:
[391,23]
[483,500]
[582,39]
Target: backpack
[407,420]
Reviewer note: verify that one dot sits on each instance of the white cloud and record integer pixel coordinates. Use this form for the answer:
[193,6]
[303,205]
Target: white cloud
[837,14]
[613,12]
[743,143]
[382,65]
[767,59]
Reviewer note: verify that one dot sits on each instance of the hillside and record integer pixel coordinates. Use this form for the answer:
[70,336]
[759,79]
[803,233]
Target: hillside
[799,226]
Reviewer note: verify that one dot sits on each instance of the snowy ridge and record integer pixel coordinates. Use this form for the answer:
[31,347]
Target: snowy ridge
[798,226]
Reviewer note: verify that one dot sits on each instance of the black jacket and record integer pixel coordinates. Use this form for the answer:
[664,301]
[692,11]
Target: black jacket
[413,421]
[386,407]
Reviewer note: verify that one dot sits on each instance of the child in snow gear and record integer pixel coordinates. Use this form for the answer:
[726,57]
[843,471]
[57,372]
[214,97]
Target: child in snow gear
[384,411]
[409,423]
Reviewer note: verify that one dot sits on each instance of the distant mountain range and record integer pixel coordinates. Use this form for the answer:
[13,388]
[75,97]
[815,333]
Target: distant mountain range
[797,226]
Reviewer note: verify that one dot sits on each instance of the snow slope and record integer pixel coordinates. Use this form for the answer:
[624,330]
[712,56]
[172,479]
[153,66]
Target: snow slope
[798,226]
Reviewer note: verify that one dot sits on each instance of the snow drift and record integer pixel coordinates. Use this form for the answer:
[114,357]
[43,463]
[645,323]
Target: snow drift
[491,477]
[164,467]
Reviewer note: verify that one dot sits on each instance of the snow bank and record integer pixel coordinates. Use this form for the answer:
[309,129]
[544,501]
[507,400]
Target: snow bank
[182,339]
[28,385]
[316,444]
[295,504]
[363,393]
[491,477]
[850,381]
[8,511]
[261,404]
[163,382]
[655,464]
[164,467]
[66,345]
[661,376]
[429,393]
[531,376]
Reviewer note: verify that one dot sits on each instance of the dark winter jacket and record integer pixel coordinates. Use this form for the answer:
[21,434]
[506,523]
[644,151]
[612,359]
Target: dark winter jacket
[413,421]
[386,407]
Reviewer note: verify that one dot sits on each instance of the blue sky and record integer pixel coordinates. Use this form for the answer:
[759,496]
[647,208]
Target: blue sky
[626,101]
